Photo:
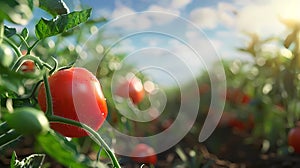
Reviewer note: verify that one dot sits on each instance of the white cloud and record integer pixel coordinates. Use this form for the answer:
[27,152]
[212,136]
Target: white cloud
[162,9]
[263,17]
[258,16]
[288,11]
[121,10]
[226,13]
[205,17]
[127,18]
[178,4]
[125,46]
[210,18]
[207,48]
[259,19]
[166,16]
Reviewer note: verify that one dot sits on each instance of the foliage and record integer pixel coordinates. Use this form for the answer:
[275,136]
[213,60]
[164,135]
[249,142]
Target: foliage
[18,86]
[261,101]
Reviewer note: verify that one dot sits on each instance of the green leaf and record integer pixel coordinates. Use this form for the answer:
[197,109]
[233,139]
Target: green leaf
[3,127]
[9,31]
[25,33]
[65,152]
[62,23]
[34,161]
[13,160]
[8,138]
[54,7]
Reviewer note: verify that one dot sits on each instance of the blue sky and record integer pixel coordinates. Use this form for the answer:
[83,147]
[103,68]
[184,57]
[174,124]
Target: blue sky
[220,25]
[188,34]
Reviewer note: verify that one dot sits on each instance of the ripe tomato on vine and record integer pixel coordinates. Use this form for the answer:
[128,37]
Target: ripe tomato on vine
[131,88]
[77,95]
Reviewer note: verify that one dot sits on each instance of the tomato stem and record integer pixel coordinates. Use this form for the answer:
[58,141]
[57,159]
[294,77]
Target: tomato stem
[33,45]
[1,30]
[55,66]
[49,110]
[36,59]
[23,40]
[12,44]
[31,95]
[93,134]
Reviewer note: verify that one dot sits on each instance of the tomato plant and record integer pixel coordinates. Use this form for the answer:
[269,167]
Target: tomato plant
[77,95]
[294,139]
[132,88]
[71,98]
[143,153]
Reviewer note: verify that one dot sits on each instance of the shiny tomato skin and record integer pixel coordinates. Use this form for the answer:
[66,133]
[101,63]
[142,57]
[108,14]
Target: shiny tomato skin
[27,66]
[77,95]
[294,139]
[133,89]
[143,153]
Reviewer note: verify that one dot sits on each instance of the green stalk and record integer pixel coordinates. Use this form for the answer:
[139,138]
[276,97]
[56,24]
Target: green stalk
[49,110]
[35,59]
[33,45]
[23,40]
[1,31]
[12,44]
[95,136]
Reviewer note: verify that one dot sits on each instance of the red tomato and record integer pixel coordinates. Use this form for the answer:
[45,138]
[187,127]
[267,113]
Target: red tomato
[27,66]
[294,139]
[204,88]
[241,125]
[143,153]
[236,123]
[77,95]
[133,89]
[237,96]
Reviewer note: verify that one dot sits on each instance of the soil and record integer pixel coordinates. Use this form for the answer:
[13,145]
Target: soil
[229,152]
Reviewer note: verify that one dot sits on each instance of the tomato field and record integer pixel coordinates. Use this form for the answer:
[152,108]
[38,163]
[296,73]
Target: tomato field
[68,100]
